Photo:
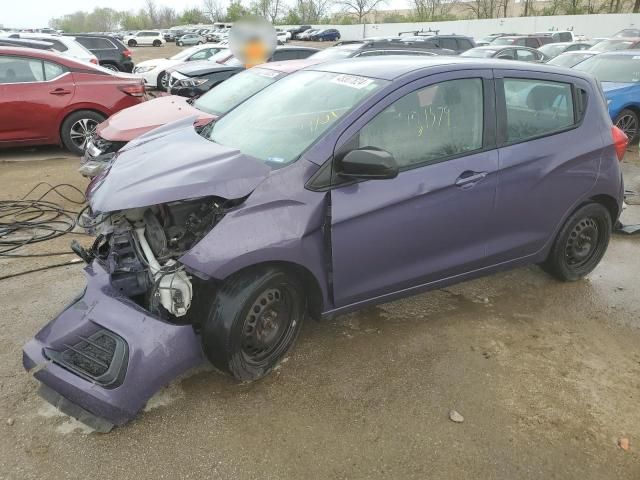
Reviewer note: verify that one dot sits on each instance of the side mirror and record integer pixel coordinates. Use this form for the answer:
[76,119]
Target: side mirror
[368,163]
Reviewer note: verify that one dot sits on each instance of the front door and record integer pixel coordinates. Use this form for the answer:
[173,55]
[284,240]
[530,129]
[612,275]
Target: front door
[429,223]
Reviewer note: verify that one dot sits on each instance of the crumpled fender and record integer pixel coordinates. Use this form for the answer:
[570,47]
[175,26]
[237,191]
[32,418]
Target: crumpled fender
[280,222]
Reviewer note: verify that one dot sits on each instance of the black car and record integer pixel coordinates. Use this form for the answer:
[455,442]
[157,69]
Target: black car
[298,30]
[505,52]
[379,46]
[20,42]
[457,43]
[195,78]
[111,52]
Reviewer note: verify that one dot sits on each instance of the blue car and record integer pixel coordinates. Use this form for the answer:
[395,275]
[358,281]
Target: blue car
[326,35]
[619,74]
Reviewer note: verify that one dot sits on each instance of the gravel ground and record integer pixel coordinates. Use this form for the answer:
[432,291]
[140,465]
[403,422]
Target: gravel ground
[544,373]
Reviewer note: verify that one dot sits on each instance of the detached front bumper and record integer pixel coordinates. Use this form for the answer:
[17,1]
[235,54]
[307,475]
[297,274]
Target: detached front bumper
[103,357]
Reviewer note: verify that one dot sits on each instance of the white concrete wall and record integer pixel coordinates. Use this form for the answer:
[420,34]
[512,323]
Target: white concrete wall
[590,25]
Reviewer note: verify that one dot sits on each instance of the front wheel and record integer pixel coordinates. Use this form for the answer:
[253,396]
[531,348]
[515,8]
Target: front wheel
[157,43]
[580,244]
[199,43]
[254,320]
[179,44]
[163,81]
[78,128]
[321,39]
[132,43]
[627,121]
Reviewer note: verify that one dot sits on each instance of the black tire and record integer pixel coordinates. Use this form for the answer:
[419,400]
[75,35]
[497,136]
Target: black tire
[157,43]
[179,44]
[199,43]
[162,78]
[132,43]
[77,128]
[627,121]
[254,320]
[580,244]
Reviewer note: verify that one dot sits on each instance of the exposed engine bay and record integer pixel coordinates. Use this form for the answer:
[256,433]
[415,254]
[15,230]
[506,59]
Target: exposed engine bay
[140,249]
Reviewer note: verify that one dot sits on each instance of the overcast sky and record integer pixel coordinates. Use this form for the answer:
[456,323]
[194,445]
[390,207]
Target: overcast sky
[36,13]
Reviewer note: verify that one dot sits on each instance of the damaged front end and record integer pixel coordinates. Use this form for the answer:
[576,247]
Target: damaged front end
[135,327]
[140,248]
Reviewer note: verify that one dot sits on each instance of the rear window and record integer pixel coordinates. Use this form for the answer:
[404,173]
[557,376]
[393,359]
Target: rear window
[448,43]
[536,108]
[569,59]
[95,43]
[613,68]
[478,53]
[464,44]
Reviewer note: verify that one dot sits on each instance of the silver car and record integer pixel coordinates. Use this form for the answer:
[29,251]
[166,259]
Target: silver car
[190,39]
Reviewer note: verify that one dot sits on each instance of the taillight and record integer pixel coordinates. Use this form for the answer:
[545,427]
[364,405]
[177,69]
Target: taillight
[620,142]
[127,53]
[94,60]
[136,90]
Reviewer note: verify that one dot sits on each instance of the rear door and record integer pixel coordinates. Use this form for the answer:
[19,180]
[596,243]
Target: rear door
[430,222]
[548,157]
[32,94]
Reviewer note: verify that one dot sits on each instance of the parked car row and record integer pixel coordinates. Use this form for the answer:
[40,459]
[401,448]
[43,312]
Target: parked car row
[310,188]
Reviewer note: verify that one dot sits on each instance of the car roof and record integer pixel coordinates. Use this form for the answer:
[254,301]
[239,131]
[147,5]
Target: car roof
[392,67]
[45,55]
[496,47]
[26,42]
[620,53]
[297,47]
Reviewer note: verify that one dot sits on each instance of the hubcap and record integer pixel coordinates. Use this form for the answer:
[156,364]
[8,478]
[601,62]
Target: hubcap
[164,81]
[266,325]
[82,131]
[629,125]
[582,243]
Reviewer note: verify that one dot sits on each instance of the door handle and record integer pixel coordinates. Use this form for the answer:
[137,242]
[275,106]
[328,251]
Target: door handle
[469,177]
[60,91]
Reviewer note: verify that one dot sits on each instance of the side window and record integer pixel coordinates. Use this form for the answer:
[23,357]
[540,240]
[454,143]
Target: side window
[20,70]
[449,43]
[52,70]
[280,55]
[536,107]
[430,124]
[464,44]
[530,42]
[564,37]
[525,55]
[507,54]
[201,55]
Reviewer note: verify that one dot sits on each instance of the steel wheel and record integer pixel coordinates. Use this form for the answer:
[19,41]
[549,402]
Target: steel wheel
[164,81]
[627,121]
[269,322]
[81,132]
[582,243]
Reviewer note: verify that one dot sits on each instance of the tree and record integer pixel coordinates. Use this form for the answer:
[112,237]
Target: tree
[360,8]
[235,11]
[430,10]
[213,9]
[152,12]
[269,9]
[192,16]
[312,11]
[484,8]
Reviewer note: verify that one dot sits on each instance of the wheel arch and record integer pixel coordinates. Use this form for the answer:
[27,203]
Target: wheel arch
[310,283]
[609,203]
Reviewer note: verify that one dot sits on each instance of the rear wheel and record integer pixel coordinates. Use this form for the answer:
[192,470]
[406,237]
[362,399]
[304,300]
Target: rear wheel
[132,43]
[254,320]
[179,44]
[581,243]
[627,121]
[157,43]
[77,129]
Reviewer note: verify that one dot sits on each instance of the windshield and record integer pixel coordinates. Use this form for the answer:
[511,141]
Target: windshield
[279,123]
[611,45]
[503,41]
[551,50]
[335,53]
[478,53]
[619,69]
[221,56]
[236,90]
[185,53]
[569,59]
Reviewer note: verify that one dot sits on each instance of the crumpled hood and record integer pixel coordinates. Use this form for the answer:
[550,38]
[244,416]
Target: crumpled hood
[174,163]
[615,86]
[203,67]
[132,122]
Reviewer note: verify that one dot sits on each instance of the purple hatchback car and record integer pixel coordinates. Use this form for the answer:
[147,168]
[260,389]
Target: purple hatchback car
[340,186]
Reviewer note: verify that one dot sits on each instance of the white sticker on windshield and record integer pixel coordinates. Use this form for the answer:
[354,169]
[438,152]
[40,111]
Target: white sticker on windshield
[268,73]
[276,160]
[352,81]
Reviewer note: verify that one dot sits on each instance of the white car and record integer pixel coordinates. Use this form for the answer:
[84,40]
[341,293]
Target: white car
[282,37]
[154,71]
[66,46]
[145,37]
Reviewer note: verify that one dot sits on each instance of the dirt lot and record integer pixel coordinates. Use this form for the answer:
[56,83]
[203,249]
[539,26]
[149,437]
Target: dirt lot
[545,374]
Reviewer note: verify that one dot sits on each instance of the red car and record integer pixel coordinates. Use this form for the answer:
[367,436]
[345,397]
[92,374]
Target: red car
[46,98]
[112,134]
